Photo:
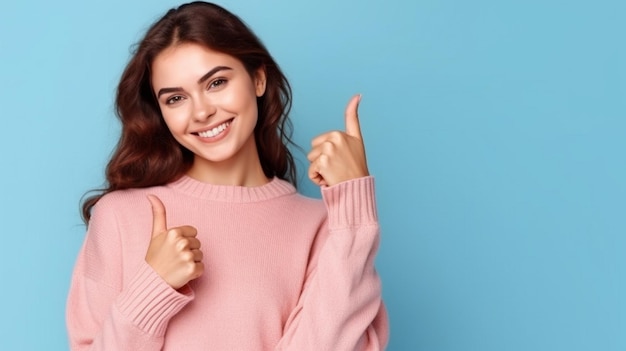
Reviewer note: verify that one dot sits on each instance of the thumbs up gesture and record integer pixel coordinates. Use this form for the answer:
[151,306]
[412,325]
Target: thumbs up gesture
[339,156]
[173,253]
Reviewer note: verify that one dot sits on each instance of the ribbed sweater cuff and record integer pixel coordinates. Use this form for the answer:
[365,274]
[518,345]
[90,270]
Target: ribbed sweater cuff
[351,203]
[149,302]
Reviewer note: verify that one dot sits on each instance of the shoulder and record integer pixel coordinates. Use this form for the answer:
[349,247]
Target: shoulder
[308,202]
[127,203]
[313,205]
[125,199]
[297,205]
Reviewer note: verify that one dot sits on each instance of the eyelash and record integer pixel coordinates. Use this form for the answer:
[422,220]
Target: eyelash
[214,84]
[173,100]
[221,81]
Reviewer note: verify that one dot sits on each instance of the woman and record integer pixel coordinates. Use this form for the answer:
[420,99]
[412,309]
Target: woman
[200,241]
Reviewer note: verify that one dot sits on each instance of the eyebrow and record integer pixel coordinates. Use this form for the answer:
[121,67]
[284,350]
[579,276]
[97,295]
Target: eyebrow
[202,79]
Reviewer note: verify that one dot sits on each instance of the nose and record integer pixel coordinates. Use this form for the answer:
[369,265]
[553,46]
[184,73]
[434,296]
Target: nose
[203,109]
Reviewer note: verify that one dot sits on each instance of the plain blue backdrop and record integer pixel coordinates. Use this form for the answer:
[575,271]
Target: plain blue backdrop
[496,131]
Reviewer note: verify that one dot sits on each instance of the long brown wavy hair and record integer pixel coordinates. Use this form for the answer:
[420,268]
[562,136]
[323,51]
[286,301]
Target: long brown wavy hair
[147,154]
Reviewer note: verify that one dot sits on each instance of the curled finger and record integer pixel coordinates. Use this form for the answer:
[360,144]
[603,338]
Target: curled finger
[194,243]
[197,255]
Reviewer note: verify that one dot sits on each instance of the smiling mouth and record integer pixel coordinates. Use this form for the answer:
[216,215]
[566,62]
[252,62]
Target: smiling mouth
[215,131]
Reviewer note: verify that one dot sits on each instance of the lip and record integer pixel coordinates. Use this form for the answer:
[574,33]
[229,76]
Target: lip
[218,137]
[214,125]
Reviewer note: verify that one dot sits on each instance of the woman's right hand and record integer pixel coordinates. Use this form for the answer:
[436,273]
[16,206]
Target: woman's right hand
[173,253]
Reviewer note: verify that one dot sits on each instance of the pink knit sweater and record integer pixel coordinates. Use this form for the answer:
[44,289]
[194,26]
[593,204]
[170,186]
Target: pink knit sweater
[282,271]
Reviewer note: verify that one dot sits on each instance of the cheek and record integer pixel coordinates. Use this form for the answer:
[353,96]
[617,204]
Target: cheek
[241,98]
[174,123]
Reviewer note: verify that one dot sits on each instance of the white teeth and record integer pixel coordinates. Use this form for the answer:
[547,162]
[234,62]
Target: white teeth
[215,131]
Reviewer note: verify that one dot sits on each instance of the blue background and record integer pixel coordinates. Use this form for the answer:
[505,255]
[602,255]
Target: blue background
[496,131]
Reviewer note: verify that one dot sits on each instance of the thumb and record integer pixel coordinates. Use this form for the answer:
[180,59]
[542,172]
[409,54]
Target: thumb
[159,223]
[353,128]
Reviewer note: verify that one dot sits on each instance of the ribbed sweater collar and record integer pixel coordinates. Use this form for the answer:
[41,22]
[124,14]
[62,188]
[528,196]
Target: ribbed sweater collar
[230,193]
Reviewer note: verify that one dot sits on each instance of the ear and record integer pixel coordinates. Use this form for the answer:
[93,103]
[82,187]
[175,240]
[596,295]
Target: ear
[259,82]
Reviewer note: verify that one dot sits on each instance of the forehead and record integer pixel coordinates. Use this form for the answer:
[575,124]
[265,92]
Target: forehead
[183,64]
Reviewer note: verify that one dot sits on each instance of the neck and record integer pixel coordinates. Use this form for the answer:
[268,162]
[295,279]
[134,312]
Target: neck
[243,169]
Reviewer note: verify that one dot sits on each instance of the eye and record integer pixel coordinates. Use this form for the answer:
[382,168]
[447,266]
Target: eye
[217,83]
[174,99]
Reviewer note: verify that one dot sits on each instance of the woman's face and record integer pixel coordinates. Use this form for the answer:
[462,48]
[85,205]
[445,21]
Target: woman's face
[208,101]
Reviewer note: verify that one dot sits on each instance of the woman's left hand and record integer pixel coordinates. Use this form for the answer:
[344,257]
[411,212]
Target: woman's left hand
[339,156]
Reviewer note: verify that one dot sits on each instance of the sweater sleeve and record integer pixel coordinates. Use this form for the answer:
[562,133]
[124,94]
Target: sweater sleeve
[103,312]
[340,307]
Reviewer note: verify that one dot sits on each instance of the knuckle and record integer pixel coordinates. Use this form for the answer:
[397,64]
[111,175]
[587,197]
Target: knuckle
[173,233]
[336,135]
[323,161]
[187,269]
[190,269]
[186,256]
[329,146]
[182,244]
